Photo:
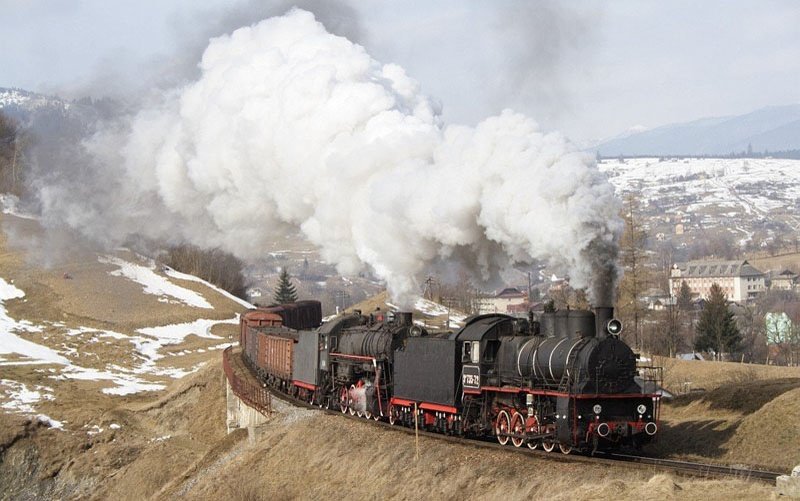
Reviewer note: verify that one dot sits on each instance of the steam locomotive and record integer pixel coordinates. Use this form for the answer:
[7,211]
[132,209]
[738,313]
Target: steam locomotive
[565,380]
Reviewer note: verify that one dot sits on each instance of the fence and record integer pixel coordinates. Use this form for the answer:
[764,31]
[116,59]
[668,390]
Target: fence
[246,388]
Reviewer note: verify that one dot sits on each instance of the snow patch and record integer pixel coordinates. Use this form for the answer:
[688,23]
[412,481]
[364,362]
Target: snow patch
[21,400]
[9,204]
[184,276]
[12,343]
[155,284]
[126,384]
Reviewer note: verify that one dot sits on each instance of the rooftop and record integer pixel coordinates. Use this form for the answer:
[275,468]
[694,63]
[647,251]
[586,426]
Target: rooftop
[718,269]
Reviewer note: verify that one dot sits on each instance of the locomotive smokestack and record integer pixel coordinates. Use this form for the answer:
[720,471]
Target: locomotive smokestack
[602,315]
[403,317]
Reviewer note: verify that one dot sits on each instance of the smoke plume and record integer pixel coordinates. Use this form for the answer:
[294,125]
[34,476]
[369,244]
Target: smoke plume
[289,128]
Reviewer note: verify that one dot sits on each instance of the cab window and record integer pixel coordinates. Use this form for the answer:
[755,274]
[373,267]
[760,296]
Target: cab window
[476,351]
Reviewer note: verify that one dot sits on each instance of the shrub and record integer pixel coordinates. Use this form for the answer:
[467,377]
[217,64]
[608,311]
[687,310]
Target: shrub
[213,265]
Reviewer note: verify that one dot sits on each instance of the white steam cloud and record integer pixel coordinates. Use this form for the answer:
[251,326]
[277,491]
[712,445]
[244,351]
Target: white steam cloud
[292,128]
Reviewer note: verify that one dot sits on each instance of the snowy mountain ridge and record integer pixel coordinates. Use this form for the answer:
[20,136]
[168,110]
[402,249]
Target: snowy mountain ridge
[774,128]
[24,100]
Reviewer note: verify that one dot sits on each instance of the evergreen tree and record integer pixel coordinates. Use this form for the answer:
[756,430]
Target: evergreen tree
[716,329]
[685,297]
[285,291]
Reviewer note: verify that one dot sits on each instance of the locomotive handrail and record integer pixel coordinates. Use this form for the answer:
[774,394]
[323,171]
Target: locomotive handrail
[252,394]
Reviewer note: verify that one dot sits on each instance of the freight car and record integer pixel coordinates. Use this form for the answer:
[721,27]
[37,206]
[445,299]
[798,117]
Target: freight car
[564,381]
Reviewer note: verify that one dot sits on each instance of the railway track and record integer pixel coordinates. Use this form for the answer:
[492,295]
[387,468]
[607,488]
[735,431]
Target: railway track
[685,468]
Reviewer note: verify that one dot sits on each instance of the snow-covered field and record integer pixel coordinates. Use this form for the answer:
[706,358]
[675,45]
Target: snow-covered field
[742,194]
[22,343]
[755,185]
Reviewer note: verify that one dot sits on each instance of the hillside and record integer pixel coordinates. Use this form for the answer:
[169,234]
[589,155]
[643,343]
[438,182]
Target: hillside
[175,446]
[775,128]
[88,343]
[356,460]
[734,413]
[112,388]
[706,206]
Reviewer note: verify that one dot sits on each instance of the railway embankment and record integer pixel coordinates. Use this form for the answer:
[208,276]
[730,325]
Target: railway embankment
[177,443]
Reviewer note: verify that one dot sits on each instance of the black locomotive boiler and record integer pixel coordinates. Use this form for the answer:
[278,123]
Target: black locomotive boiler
[564,381]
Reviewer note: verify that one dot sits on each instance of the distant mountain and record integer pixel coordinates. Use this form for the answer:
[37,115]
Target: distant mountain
[775,128]
[55,128]
[45,114]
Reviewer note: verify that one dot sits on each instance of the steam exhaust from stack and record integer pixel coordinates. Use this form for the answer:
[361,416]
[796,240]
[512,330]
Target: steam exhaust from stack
[290,129]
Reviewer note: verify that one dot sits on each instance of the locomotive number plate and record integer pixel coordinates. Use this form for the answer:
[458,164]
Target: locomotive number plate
[471,377]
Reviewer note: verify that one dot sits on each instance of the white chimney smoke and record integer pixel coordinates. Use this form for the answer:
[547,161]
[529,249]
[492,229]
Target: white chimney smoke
[290,128]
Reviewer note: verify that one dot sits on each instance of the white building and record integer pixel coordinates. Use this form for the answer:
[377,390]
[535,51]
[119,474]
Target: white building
[785,280]
[739,280]
[499,303]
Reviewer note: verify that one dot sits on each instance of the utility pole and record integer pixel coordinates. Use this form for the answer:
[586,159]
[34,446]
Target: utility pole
[428,291]
[529,287]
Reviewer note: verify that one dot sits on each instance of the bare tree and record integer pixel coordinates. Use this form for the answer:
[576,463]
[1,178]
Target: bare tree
[752,325]
[634,280]
[215,265]
[12,159]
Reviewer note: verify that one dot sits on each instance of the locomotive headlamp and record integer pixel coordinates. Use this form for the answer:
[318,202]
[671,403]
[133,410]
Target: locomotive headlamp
[641,409]
[597,408]
[614,327]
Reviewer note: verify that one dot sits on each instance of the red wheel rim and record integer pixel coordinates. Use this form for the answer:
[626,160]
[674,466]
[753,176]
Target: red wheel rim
[501,427]
[533,427]
[343,400]
[517,428]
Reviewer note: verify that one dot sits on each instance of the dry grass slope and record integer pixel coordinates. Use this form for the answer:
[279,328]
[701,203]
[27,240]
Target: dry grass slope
[738,413]
[323,456]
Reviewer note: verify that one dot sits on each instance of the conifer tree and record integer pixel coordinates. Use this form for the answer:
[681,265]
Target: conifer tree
[685,297]
[716,329]
[285,291]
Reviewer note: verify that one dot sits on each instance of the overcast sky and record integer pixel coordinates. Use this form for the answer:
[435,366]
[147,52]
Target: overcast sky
[591,69]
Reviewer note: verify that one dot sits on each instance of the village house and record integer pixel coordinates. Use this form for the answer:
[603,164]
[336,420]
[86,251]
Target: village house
[503,302]
[785,280]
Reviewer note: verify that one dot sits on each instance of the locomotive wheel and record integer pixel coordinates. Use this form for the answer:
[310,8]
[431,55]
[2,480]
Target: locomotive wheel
[534,428]
[548,445]
[517,428]
[368,414]
[392,419]
[565,449]
[350,402]
[502,426]
[376,417]
[343,400]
